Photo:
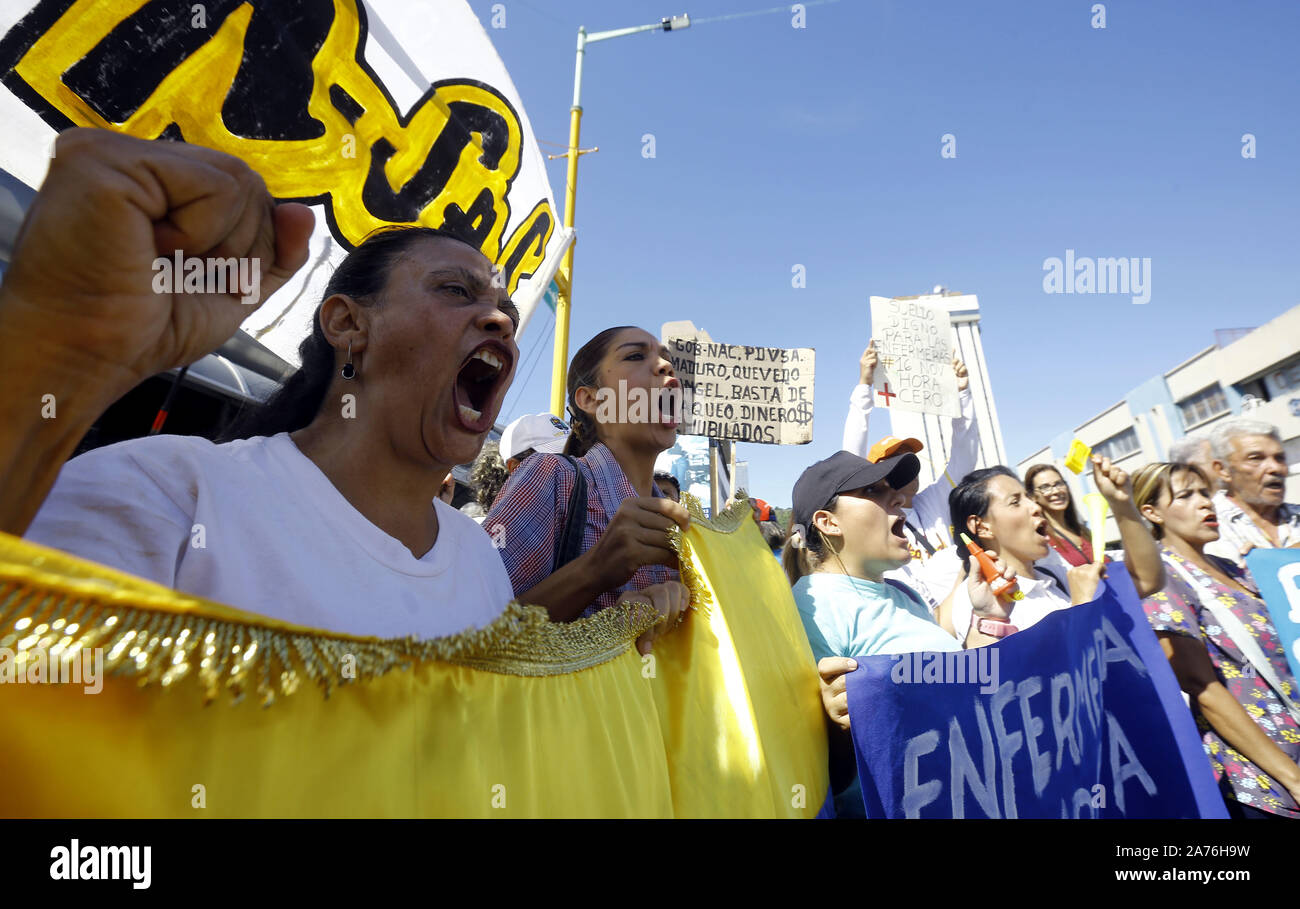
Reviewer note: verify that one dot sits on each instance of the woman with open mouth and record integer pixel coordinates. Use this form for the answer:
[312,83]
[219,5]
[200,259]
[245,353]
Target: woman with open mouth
[574,558]
[323,508]
[1223,647]
[846,531]
[1067,534]
[994,509]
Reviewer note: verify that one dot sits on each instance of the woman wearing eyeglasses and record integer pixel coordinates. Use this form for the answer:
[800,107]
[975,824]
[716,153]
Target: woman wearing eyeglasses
[1065,532]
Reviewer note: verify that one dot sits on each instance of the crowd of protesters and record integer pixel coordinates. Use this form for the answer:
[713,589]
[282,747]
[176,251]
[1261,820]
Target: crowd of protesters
[414,327]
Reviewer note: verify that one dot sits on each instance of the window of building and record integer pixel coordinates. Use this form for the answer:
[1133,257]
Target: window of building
[1204,405]
[1255,389]
[1119,445]
[1287,378]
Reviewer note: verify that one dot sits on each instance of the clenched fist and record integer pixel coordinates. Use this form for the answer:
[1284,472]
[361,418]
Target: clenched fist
[80,321]
[81,286]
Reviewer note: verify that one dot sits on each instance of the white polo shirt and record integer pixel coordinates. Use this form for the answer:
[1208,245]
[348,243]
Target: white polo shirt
[1042,596]
[1237,531]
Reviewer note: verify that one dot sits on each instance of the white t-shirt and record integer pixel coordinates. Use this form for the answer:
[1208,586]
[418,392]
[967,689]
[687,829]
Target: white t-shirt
[932,577]
[256,525]
[1042,596]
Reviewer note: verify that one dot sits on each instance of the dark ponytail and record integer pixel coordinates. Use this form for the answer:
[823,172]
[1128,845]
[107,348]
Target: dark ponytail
[582,374]
[804,556]
[298,400]
[971,497]
[362,275]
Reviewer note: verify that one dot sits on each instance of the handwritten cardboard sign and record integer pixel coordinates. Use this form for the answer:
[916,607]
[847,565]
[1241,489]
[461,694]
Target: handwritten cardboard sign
[747,394]
[915,343]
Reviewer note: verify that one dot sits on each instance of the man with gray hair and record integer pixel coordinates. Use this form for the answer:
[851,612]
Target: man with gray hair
[1251,462]
[1194,448]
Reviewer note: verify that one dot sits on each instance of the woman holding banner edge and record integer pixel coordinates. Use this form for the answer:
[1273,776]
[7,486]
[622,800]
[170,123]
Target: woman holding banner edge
[846,534]
[619,538]
[1223,648]
[78,311]
[995,510]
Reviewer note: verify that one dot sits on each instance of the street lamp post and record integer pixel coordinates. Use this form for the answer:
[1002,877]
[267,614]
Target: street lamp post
[559,371]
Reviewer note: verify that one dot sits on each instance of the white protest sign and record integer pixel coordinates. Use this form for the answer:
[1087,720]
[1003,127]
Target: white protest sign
[747,394]
[915,344]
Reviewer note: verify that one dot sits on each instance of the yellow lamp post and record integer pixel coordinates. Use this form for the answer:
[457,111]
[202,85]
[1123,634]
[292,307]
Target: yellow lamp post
[560,366]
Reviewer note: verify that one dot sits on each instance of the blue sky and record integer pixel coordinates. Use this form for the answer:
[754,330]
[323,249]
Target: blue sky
[820,146]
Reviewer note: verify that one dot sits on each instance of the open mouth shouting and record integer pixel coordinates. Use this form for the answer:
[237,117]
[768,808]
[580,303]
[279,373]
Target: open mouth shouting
[670,404]
[1040,528]
[896,527]
[1275,486]
[480,385]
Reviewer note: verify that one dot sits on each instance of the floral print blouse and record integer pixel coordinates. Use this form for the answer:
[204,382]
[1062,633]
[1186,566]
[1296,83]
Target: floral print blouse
[1178,609]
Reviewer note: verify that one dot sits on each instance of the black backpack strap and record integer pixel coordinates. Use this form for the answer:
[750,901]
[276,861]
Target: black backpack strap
[920,537]
[568,542]
[908,592]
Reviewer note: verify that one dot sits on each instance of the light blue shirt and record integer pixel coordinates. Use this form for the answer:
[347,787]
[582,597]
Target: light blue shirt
[853,617]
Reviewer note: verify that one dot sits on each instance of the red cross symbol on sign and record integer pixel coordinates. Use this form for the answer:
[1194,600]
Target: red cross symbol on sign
[887,394]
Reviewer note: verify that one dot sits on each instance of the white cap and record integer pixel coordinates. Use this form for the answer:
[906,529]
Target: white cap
[538,431]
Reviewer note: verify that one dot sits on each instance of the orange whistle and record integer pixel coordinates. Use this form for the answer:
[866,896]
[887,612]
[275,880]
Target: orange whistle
[1000,586]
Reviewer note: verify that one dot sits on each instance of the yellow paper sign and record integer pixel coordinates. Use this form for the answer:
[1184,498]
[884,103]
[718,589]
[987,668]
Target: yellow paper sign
[1077,458]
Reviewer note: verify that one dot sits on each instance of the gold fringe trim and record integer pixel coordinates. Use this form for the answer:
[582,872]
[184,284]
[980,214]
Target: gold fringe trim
[53,606]
[729,520]
[701,596]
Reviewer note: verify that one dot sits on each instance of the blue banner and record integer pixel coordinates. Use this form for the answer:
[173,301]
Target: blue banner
[1277,572]
[1078,716]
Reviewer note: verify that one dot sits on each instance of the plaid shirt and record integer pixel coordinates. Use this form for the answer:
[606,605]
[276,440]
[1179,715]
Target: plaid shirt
[529,513]
[1237,531]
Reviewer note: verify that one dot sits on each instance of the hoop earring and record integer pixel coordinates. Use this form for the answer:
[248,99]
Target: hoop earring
[349,371]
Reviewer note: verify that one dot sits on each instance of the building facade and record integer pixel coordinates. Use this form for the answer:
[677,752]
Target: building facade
[1254,372]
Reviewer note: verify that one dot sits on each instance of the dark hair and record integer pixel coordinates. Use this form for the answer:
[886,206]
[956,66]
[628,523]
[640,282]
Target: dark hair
[772,535]
[971,497]
[362,275]
[1154,479]
[799,559]
[582,374]
[488,475]
[663,477]
[1071,514]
